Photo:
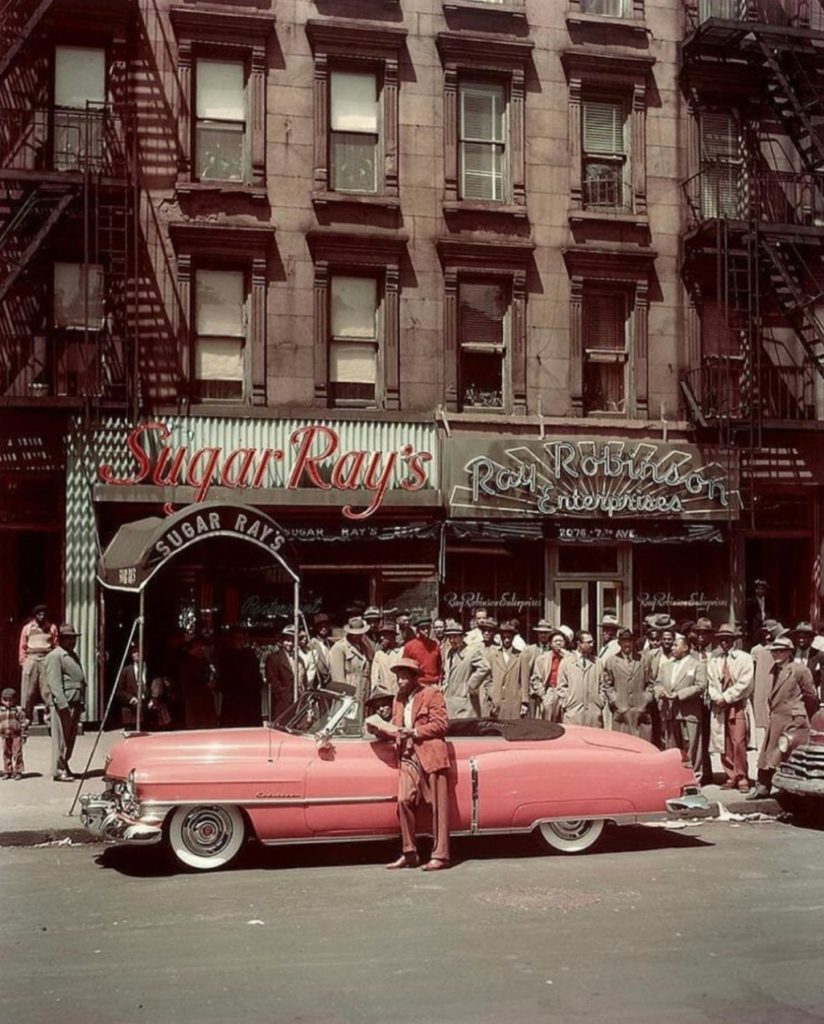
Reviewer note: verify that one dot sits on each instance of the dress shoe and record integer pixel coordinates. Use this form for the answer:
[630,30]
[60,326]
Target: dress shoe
[759,793]
[17,776]
[406,860]
[436,865]
[744,785]
[62,776]
[729,785]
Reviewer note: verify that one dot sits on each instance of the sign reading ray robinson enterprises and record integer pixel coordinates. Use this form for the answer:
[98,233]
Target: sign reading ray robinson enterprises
[593,478]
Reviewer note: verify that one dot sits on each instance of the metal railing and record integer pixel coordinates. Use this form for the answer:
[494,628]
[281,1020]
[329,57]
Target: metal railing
[787,13]
[67,364]
[608,194]
[726,191]
[726,389]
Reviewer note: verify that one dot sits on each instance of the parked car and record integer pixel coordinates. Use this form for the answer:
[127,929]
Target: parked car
[799,781]
[314,776]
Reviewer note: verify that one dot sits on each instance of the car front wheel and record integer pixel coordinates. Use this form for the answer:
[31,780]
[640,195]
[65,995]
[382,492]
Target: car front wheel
[573,836]
[206,837]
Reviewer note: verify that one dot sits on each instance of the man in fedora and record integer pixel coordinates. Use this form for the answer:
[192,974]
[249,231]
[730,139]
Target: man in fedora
[426,651]
[628,693]
[37,638]
[465,672]
[66,681]
[758,607]
[349,659]
[792,699]
[680,690]
[542,630]
[420,718]
[543,682]
[804,653]
[383,678]
[609,626]
[580,689]
[730,684]
[506,699]
[279,673]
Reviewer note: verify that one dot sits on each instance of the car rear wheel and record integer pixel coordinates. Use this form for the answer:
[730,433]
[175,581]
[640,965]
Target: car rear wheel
[573,836]
[206,837]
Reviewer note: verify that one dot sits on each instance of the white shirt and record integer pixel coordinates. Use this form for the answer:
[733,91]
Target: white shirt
[407,714]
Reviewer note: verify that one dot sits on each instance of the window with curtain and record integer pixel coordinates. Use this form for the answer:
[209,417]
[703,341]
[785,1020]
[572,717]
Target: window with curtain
[483,329]
[220,334]
[482,141]
[79,101]
[220,124]
[78,296]
[605,158]
[354,344]
[722,165]
[607,8]
[605,329]
[354,114]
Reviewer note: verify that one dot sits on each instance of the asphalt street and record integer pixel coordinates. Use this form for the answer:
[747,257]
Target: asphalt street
[713,923]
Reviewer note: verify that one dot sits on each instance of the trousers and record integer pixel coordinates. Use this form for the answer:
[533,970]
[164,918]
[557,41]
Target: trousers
[13,754]
[734,758]
[33,686]
[64,725]
[690,741]
[414,785]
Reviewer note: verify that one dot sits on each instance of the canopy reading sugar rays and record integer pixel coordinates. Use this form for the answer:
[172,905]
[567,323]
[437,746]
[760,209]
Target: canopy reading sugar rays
[141,549]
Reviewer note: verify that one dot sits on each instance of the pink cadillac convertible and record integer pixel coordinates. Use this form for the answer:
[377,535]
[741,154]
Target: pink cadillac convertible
[314,776]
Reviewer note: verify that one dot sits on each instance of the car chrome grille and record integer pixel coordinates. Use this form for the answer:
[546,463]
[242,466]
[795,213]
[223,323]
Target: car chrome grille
[805,763]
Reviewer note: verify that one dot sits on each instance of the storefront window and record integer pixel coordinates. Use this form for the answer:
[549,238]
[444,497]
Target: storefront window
[685,582]
[506,579]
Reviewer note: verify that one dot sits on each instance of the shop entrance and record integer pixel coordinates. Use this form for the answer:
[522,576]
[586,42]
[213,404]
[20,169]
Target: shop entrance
[587,582]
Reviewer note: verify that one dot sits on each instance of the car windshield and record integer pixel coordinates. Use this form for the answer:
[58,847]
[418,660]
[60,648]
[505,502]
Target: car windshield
[320,709]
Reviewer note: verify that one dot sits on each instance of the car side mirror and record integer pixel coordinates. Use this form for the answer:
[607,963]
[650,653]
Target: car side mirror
[323,740]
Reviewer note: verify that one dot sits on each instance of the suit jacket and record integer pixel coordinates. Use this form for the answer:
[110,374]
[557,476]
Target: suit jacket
[626,686]
[427,653]
[791,699]
[527,663]
[504,689]
[383,678]
[65,678]
[430,721]
[280,678]
[581,691]
[741,670]
[687,678]
[465,672]
[126,690]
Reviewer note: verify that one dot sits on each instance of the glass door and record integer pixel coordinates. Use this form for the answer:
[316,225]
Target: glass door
[571,605]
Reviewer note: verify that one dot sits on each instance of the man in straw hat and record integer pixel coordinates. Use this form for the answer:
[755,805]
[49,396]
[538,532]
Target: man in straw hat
[542,630]
[37,638]
[730,675]
[465,672]
[349,658]
[791,700]
[420,720]
[66,681]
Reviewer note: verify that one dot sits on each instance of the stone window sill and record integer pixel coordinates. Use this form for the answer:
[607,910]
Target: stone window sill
[640,220]
[321,199]
[457,207]
[221,188]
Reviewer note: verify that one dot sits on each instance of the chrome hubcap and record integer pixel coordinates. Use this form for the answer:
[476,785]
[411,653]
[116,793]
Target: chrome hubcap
[570,830]
[206,831]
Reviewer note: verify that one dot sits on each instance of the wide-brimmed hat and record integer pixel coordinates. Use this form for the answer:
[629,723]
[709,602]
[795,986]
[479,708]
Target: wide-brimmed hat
[423,623]
[67,629]
[543,624]
[407,663]
[372,613]
[662,621]
[727,630]
[609,620]
[568,632]
[626,634]
[39,608]
[356,626]
[508,627]
[760,583]
[487,624]
[804,627]
[705,624]
[378,697]
[388,627]
[453,629]
[288,631]
[8,693]
[319,618]
[782,643]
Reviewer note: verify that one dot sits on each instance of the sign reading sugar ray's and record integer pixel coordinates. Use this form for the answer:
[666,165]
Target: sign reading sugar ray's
[587,478]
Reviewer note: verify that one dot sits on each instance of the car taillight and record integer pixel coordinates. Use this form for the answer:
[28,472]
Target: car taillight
[691,790]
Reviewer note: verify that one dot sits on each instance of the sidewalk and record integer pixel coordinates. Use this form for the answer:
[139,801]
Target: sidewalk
[36,809]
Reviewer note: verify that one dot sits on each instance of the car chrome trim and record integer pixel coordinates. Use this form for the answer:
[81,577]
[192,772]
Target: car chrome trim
[290,801]
[791,784]
[313,840]
[473,774]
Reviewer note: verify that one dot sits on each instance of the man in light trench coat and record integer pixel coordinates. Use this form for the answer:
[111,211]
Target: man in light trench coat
[465,672]
[581,696]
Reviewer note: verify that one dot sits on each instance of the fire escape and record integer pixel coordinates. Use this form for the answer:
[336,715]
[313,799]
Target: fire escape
[755,238]
[68,193]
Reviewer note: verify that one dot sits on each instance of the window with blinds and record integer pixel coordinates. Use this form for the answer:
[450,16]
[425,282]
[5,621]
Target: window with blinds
[220,123]
[607,8]
[723,181]
[220,334]
[605,323]
[605,155]
[483,330]
[354,344]
[482,141]
[79,102]
[354,131]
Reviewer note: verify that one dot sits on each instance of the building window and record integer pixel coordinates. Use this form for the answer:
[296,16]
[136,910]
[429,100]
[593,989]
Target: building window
[605,327]
[79,102]
[354,136]
[78,296]
[220,125]
[354,340]
[483,332]
[606,181]
[220,335]
[722,165]
[607,8]
[483,141]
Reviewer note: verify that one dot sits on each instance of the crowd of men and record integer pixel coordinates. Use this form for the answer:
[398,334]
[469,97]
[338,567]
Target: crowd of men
[687,685]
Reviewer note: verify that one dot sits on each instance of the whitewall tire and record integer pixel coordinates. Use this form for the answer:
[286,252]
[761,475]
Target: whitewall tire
[207,836]
[572,836]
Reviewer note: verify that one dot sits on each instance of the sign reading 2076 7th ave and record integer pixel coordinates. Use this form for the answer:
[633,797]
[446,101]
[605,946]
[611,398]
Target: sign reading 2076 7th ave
[591,478]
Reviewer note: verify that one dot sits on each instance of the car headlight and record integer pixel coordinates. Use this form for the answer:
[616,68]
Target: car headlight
[784,743]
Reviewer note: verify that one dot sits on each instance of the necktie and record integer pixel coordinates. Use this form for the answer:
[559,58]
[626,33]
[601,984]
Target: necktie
[726,675]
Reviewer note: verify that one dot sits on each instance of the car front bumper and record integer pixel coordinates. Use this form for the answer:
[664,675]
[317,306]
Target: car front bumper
[688,803]
[800,787]
[102,816]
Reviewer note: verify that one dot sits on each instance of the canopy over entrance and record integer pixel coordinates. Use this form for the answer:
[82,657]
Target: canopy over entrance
[142,548]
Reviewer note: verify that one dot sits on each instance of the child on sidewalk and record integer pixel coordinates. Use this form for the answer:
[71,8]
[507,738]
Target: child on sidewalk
[13,728]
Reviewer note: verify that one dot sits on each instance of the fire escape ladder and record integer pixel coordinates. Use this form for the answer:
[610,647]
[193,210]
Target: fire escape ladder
[794,111]
[28,229]
[787,273]
[17,23]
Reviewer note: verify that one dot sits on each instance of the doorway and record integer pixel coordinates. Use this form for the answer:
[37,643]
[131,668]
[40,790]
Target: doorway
[587,582]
